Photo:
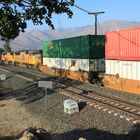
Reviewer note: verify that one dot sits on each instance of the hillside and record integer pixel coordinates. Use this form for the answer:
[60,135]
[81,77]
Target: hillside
[34,38]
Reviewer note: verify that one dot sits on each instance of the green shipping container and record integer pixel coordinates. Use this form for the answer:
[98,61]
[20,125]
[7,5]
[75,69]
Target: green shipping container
[82,47]
[97,46]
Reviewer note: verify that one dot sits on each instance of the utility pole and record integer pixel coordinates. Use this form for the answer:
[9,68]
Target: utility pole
[96,14]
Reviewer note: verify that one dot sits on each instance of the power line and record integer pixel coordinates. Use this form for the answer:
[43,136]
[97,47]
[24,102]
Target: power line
[60,25]
[100,27]
[81,9]
[91,13]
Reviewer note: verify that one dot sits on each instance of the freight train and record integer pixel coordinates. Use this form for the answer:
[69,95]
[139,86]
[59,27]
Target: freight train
[79,58]
[116,56]
[23,58]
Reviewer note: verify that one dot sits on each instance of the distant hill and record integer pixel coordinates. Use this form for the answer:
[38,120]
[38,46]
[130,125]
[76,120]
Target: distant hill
[33,39]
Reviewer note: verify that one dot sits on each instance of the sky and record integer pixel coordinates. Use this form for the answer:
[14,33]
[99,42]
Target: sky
[114,10]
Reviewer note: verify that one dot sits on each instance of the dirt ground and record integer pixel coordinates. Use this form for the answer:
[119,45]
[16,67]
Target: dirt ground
[14,118]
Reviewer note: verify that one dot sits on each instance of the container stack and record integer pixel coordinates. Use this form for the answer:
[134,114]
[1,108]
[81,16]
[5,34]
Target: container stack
[123,60]
[77,58]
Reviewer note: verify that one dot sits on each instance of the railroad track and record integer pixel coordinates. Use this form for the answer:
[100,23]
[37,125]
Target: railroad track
[118,108]
[123,109]
[27,74]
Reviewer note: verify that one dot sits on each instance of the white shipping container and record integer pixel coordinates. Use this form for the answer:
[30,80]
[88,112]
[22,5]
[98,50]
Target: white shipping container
[125,69]
[65,63]
[80,64]
[112,67]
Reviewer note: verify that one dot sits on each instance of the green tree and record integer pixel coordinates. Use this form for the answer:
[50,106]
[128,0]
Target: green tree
[14,14]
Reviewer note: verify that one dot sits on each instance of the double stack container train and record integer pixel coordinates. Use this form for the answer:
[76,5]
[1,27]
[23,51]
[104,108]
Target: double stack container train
[116,55]
[123,60]
[80,58]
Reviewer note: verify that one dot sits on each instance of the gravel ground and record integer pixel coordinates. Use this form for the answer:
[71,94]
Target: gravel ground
[61,122]
[32,107]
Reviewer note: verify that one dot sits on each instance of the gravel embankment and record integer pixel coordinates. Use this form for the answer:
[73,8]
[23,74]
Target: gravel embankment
[31,107]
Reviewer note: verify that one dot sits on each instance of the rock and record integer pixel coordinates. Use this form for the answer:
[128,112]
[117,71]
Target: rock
[81,138]
[40,130]
[28,136]
[34,134]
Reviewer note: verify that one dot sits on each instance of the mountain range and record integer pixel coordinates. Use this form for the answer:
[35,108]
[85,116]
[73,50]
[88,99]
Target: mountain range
[33,39]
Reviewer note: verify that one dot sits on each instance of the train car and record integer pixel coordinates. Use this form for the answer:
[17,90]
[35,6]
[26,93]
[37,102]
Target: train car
[23,58]
[80,58]
[123,60]
[16,58]
[35,60]
[1,51]
[7,57]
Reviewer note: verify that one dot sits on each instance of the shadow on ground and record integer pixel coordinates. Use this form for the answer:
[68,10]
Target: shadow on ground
[28,94]
[89,134]
[94,134]
[31,92]
[7,138]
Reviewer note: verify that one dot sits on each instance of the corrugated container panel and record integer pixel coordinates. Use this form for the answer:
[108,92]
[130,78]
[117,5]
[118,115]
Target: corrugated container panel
[138,70]
[130,69]
[82,47]
[99,65]
[70,48]
[97,46]
[123,44]
[112,67]
[125,69]
[45,46]
[67,48]
[62,63]
[130,44]
[75,64]
[112,45]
